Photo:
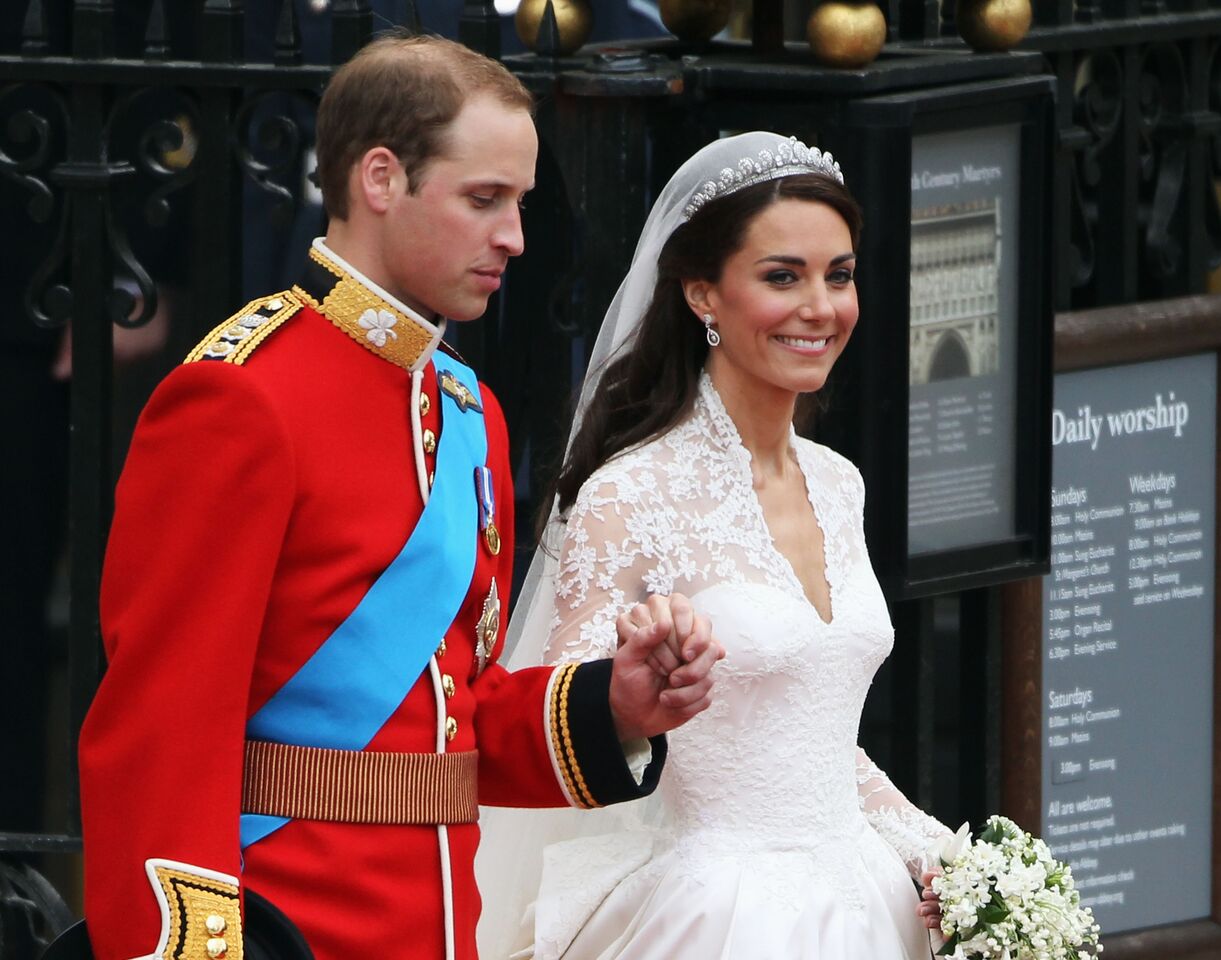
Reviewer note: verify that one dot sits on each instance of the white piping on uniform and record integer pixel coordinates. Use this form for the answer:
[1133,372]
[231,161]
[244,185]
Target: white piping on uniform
[438,690]
[417,440]
[447,880]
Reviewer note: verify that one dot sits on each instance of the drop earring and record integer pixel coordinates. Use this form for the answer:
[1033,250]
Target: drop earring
[710,333]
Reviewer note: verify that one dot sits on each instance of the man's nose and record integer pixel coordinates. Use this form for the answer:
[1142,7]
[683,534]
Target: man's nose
[509,235]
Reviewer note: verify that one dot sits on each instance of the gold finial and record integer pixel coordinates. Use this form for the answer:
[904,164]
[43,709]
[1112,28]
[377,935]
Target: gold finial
[992,25]
[574,19]
[846,33]
[695,20]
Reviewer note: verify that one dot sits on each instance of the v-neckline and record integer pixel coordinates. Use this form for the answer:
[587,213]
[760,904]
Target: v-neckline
[724,423]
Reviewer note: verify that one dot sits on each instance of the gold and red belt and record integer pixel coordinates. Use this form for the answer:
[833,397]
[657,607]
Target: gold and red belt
[356,786]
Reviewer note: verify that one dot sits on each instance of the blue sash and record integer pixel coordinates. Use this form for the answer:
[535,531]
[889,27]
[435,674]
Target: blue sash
[345,692]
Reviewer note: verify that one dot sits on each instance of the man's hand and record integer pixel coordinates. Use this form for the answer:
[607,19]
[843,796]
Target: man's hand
[662,673]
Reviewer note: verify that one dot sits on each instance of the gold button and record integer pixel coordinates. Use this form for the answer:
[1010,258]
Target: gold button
[441,648]
[215,924]
[451,728]
[430,441]
[217,947]
[425,404]
[447,684]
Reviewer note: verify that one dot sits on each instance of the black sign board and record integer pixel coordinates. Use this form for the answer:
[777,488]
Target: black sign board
[944,395]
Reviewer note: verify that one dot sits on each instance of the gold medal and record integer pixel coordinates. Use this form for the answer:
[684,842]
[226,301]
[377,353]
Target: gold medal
[487,629]
[491,536]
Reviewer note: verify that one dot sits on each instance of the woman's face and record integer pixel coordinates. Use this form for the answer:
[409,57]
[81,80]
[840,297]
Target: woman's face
[785,304]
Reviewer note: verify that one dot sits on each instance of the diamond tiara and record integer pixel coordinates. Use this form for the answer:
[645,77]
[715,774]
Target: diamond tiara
[790,157]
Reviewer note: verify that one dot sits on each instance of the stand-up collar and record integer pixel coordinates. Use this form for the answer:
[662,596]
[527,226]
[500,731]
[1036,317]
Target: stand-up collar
[379,322]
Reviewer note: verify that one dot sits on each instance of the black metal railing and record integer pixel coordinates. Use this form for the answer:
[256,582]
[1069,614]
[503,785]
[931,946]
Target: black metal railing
[1139,116]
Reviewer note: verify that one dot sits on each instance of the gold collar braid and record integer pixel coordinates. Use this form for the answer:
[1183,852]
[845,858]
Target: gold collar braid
[378,325]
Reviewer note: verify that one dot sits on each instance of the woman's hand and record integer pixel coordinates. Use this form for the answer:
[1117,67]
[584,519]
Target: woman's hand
[662,671]
[929,910]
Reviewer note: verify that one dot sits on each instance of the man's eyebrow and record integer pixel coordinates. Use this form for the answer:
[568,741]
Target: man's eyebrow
[495,183]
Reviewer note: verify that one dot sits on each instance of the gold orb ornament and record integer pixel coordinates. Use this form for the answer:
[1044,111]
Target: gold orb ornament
[574,18]
[992,25]
[846,33]
[695,20]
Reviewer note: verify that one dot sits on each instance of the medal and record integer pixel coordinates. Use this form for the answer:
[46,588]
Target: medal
[462,396]
[487,629]
[487,510]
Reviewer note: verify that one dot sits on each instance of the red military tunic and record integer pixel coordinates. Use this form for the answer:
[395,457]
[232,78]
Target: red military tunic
[264,492]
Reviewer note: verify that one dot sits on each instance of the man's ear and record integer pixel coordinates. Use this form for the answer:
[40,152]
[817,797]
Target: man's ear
[697,294]
[377,177]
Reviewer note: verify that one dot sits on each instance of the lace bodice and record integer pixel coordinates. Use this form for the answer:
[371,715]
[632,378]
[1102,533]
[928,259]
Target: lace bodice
[773,763]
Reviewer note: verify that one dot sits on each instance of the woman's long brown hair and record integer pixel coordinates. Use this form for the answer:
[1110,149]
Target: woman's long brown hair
[652,384]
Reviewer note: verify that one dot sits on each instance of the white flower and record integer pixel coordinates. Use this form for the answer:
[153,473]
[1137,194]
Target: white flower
[378,323]
[1006,898]
[948,848]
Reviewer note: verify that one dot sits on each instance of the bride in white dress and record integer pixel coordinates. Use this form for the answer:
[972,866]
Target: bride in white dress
[772,834]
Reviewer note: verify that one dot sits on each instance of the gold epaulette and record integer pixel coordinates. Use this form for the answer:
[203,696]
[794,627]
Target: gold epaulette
[238,337]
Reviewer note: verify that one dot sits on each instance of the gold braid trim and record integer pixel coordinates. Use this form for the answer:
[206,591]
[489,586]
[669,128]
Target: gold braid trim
[557,747]
[403,341]
[561,738]
[205,921]
[238,337]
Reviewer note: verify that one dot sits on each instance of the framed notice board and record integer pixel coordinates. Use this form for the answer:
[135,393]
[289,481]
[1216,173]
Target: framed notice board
[1111,659]
[944,397]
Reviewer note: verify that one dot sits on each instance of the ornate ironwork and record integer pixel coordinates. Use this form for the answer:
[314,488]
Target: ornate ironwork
[269,143]
[33,129]
[1162,155]
[1098,109]
[32,913]
[1211,199]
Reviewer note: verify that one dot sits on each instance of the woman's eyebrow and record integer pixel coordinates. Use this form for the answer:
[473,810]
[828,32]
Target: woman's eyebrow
[800,262]
[782,258]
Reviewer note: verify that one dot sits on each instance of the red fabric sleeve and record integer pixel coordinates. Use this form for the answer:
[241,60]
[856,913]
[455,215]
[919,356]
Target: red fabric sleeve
[201,511]
[514,726]
[515,768]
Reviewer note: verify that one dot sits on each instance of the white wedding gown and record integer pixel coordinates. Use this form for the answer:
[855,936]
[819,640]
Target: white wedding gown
[779,838]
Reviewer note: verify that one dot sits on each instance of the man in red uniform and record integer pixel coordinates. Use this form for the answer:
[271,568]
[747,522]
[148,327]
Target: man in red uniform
[302,596]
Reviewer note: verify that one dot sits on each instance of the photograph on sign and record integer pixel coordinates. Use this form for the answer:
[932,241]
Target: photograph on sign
[962,338]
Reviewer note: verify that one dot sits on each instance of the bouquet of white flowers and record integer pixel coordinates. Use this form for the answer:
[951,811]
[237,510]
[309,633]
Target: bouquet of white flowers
[1006,897]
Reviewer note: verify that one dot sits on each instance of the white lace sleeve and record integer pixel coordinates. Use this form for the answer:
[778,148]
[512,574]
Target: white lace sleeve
[614,555]
[907,828]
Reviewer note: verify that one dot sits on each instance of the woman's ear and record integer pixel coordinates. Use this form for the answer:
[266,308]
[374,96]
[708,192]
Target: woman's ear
[379,175]
[696,293]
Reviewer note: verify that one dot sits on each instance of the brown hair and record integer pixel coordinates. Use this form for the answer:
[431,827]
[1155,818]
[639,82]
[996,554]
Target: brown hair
[652,386]
[401,92]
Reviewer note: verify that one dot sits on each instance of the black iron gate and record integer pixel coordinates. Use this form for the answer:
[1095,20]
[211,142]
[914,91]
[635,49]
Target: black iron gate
[153,161]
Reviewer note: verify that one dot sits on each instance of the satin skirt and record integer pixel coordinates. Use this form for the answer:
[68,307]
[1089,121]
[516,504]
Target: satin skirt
[639,897]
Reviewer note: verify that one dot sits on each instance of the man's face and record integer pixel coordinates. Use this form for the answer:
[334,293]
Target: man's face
[445,246]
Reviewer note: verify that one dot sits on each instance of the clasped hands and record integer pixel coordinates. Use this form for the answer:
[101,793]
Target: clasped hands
[662,674]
